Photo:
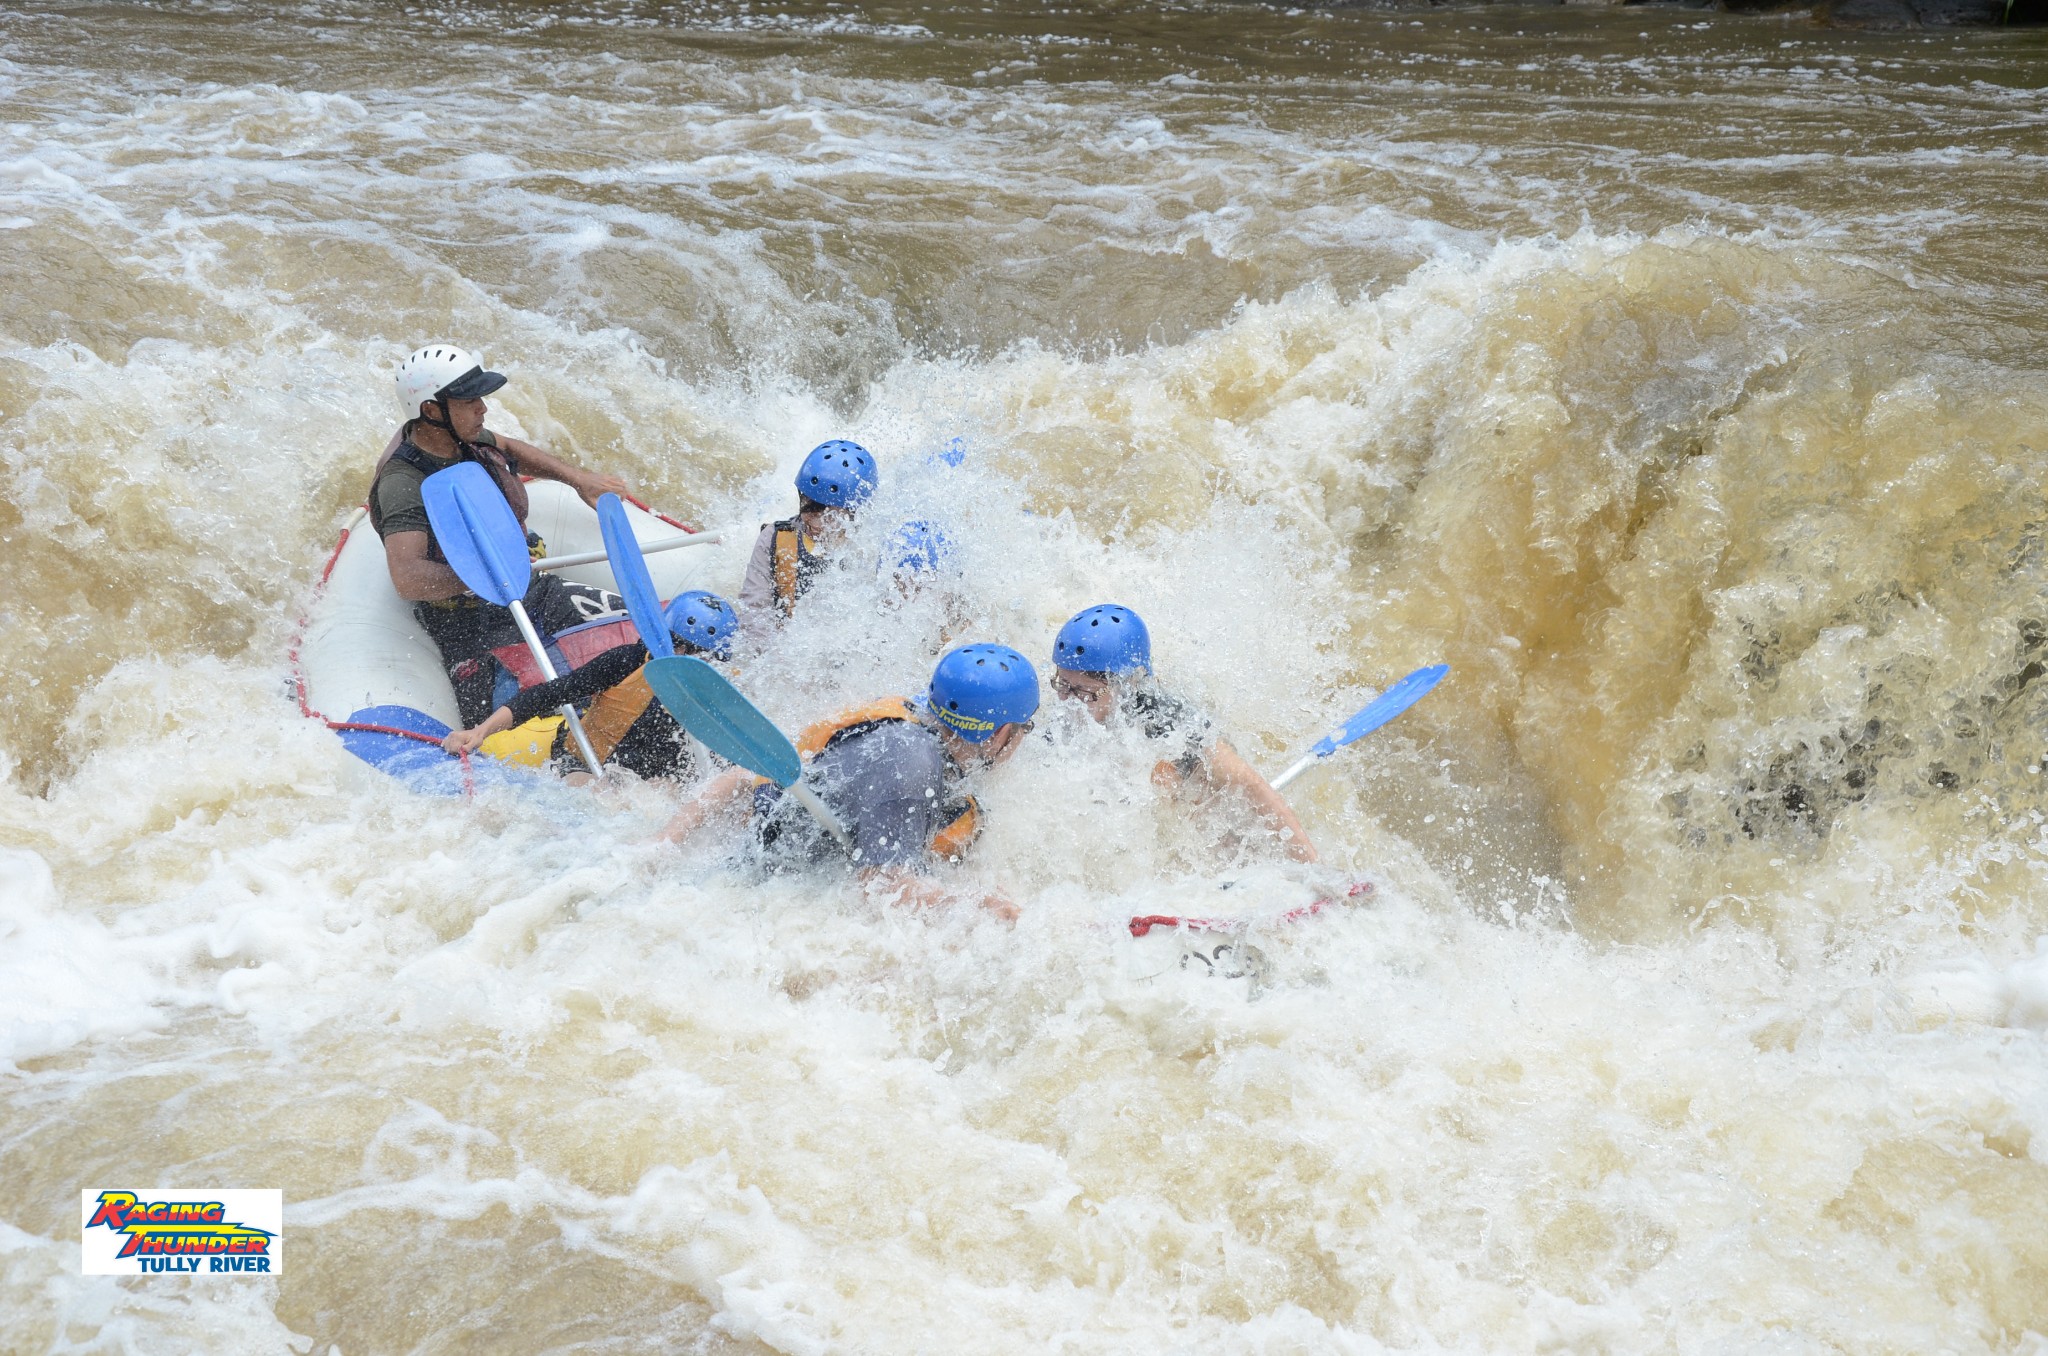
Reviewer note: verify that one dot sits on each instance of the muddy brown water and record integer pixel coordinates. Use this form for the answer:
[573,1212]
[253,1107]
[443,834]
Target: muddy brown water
[1677,377]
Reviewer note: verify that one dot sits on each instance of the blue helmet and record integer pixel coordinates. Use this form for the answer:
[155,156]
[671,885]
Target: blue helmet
[1104,639]
[919,547]
[704,620]
[978,688]
[838,474]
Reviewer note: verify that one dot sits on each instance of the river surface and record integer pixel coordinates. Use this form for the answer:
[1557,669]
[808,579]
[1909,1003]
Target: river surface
[1678,378]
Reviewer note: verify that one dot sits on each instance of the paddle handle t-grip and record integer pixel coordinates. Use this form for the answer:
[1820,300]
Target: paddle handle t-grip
[547,671]
[820,812]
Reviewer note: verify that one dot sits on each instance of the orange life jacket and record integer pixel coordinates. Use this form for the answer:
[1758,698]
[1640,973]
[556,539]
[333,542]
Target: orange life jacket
[962,817]
[613,711]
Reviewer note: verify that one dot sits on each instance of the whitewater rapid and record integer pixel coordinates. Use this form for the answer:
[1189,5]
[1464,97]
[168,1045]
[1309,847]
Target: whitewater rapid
[1675,378]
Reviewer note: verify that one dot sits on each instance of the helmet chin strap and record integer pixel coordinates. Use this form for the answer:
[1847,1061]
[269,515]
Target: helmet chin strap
[446,423]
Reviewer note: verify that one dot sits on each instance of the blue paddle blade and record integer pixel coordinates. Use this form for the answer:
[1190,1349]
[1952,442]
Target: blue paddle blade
[478,533]
[629,568]
[729,725]
[1384,708]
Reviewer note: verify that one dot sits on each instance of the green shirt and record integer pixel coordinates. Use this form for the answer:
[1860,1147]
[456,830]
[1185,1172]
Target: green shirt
[396,500]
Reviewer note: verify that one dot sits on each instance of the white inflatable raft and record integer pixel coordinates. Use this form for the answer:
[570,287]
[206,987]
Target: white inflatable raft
[364,666]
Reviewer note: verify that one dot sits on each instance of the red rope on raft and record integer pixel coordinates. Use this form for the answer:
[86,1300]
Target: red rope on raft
[644,507]
[381,729]
[1142,926]
[647,508]
[299,678]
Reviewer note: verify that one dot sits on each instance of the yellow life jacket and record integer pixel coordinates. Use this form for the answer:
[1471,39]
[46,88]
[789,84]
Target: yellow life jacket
[963,817]
[529,745]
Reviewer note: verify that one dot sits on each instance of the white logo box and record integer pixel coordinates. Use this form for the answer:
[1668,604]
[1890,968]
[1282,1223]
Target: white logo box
[175,1231]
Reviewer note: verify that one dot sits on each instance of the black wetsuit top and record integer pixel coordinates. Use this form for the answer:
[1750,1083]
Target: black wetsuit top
[653,746]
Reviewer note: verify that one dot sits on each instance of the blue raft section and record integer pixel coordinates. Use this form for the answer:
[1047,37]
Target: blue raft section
[415,757]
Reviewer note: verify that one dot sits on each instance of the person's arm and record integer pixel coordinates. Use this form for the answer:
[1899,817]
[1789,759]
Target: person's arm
[609,669]
[529,460]
[1223,768]
[720,798]
[757,591]
[902,887]
[418,579]
[472,739]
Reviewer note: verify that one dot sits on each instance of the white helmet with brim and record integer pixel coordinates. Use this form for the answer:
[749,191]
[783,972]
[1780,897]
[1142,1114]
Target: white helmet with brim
[442,372]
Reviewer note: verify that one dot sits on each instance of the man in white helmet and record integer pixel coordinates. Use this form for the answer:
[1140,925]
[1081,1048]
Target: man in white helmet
[441,389]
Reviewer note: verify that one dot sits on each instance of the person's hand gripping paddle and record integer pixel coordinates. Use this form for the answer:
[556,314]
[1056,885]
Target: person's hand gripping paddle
[697,695]
[480,537]
[1382,709]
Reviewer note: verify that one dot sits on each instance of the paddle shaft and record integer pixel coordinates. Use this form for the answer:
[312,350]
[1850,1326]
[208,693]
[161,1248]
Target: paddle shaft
[1304,765]
[547,671]
[820,811]
[592,557]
